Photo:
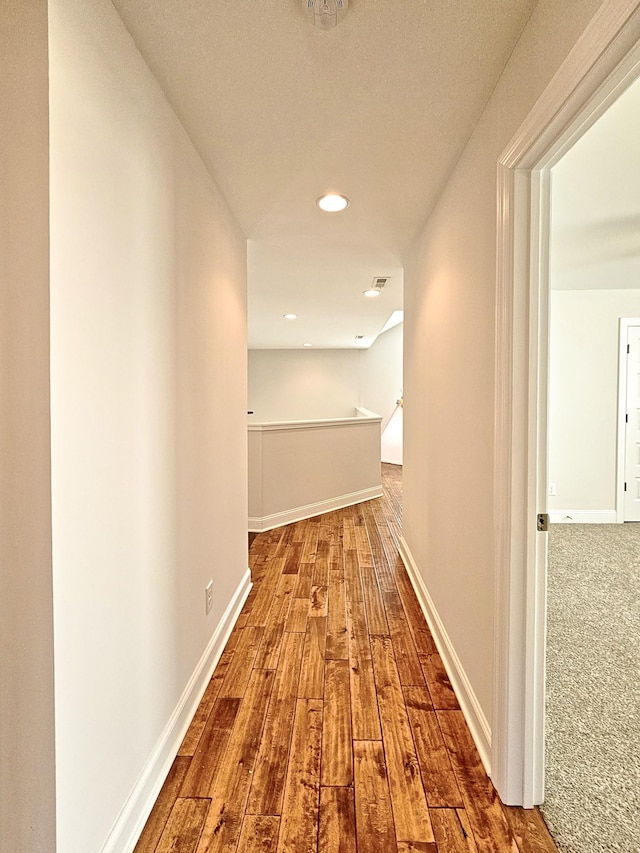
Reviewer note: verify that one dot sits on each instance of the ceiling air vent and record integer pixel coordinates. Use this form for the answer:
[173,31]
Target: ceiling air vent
[359,337]
[379,281]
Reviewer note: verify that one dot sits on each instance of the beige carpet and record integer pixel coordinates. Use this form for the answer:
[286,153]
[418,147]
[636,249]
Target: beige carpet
[593,696]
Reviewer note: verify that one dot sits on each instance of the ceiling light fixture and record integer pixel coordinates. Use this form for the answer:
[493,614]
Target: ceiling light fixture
[332,202]
[376,288]
[306,345]
[326,14]
[290,316]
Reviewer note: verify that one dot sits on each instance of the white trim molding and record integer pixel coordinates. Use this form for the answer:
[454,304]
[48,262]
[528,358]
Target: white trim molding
[317,423]
[583,516]
[624,325]
[299,513]
[137,808]
[469,705]
[601,65]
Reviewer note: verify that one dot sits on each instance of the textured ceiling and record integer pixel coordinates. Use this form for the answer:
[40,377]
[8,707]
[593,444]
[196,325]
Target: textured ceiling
[379,109]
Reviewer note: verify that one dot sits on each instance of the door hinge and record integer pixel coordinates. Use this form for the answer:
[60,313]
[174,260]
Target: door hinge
[625,487]
[626,419]
[542,521]
[628,348]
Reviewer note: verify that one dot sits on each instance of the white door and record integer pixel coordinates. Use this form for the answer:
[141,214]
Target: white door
[632,428]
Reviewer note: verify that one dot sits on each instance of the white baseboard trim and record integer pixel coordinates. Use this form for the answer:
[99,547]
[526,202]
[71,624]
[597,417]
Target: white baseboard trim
[583,516]
[268,522]
[130,823]
[473,713]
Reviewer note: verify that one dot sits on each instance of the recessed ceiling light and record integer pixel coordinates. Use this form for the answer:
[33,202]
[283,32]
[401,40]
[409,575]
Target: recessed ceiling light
[332,202]
[306,345]
[290,316]
[372,292]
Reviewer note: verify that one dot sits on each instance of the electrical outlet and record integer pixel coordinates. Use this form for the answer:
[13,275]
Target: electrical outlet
[208,597]
[552,490]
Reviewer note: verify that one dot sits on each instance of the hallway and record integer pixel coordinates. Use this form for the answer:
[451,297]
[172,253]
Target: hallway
[329,723]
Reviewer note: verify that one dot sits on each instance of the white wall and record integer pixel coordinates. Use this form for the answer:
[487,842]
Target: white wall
[302,384]
[450,283]
[381,374]
[583,396]
[27,789]
[595,214]
[148,382]
[308,384]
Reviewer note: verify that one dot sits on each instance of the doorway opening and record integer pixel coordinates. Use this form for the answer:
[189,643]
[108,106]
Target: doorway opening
[593,566]
[579,94]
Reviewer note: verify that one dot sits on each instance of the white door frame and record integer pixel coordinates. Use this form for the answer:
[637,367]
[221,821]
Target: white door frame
[625,324]
[604,62]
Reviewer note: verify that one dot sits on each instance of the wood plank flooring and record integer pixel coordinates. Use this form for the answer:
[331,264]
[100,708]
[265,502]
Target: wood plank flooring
[329,725]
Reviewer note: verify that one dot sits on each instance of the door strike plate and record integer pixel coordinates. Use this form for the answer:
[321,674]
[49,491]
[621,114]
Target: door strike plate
[543,521]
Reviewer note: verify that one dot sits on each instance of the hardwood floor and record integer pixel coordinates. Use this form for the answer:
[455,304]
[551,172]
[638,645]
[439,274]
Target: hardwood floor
[329,725]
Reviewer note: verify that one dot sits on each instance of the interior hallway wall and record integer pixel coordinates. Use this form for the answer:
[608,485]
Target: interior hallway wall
[27,782]
[450,284]
[291,384]
[381,374]
[148,385]
[298,385]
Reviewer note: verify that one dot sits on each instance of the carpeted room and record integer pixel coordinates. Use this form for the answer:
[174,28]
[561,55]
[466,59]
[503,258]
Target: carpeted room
[593,659]
[593,615]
